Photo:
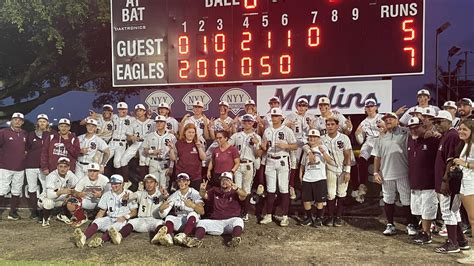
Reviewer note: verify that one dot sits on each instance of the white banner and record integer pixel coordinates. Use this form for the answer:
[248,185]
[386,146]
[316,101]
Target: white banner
[346,97]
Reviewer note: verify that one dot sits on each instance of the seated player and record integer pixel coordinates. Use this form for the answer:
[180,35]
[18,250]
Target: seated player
[187,207]
[59,186]
[149,201]
[225,218]
[115,211]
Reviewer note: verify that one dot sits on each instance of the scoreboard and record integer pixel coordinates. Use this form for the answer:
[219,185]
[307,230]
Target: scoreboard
[179,42]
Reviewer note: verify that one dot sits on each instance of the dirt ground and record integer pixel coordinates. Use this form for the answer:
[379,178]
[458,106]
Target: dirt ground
[360,241]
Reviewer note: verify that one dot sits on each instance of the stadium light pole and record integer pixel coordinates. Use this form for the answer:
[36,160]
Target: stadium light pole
[451,52]
[438,32]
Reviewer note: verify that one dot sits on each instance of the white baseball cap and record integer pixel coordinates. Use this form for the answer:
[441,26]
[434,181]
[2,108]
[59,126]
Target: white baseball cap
[416,110]
[276,111]
[314,133]
[64,160]
[122,105]
[274,99]
[160,118]
[224,103]
[428,111]
[443,114]
[423,92]
[116,179]
[92,122]
[414,121]
[152,176]
[140,106]
[303,100]
[42,116]
[465,101]
[107,106]
[450,104]
[248,117]
[18,115]
[228,175]
[390,114]
[250,102]
[93,167]
[370,102]
[198,103]
[183,176]
[164,105]
[64,121]
[324,100]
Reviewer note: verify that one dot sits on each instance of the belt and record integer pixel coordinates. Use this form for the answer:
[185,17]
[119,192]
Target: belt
[246,161]
[159,159]
[84,163]
[278,157]
[121,140]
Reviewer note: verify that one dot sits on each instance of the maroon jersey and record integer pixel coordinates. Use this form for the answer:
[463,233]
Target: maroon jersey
[225,204]
[421,158]
[34,145]
[12,149]
[55,147]
[446,149]
[223,161]
[188,160]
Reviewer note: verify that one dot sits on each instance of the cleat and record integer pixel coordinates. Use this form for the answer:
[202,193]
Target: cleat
[447,248]
[13,216]
[318,222]
[390,230]
[46,223]
[179,238]
[266,219]
[338,222]
[306,222]
[292,193]
[159,235]
[245,217]
[422,238]
[95,243]
[63,218]
[79,238]
[464,245]
[115,236]
[411,230]
[234,242]
[192,242]
[285,221]
[328,221]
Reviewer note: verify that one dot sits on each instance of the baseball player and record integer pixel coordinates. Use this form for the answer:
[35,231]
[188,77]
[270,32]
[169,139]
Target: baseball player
[452,108]
[187,207]
[12,165]
[339,173]
[115,210]
[172,124]
[250,109]
[199,120]
[421,158]
[248,145]
[225,217]
[59,187]
[157,147]
[62,144]
[313,178]
[105,123]
[140,127]
[423,97]
[449,197]
[93,150]
[464,108]
[34,145]
[149,201]
[345,125]
[391,170]
[278,142]
[122,123]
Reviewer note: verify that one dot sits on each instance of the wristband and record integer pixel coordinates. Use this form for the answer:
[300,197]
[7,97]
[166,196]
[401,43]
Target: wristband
[347,169]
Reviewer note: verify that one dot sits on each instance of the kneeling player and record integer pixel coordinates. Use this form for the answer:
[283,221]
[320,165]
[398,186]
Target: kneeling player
[149,201]
[116,206]
[225,218]
[187,207]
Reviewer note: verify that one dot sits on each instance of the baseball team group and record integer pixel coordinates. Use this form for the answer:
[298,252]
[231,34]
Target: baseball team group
[201,175]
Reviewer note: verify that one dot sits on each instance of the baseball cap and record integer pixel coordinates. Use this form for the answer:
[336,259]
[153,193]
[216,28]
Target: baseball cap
[93,167]
[428,111]
[18,115]
[465,101]
[42,116]
[224,103]
[64,160]
[370,102]
[183,176]
[64,121]
[323,100]
[248,117]
[276,111]
[443,114]
[107,107]
[423,92]
[416,110]
[227,175]
[116,179]
[250,102]
[274,99]
[390,114]
[140,106]
[164,105]
[92,122]
[414,121]
[198,103]
[303,100]
[151,176]
[122,105]
[160,118]
[314,133]
[450,104]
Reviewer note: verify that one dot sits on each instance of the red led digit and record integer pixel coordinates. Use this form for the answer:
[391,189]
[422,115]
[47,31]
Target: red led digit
[183,69]
[288,37]
[285,64]
[408,29]
[313,37]
[183,44]
[411,50]
[269,39]
[246,66]
[250,4]
[219,43]
[247,38]
[204,44]
[264,63]
[202,68]
[220,67]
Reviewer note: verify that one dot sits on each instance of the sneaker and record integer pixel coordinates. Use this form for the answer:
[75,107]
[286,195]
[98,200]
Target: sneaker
[390,230]
[285,221]
[34,214]
[328,221]
[95,243]
[411,230]
[245,217]
[338,222]
[266,219]
[448,247]
[115,236]
[422,238]
[63,218]
[306,222]
[464,245]
[78,223]
[159,235]
[45,222]
[179,238]
[234,242]
[318,222]
[292,193]
[79,238]
[260,190]
[192,242]
[13,216]
[443,231]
